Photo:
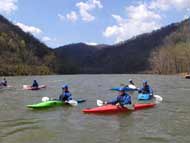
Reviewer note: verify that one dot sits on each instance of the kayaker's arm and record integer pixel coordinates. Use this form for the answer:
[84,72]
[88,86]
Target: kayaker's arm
[114,101]
[151,90]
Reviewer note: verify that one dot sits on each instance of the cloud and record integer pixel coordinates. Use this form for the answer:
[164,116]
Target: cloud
[52,42]
[167,4]
[91,43]
[8,6]
[46,39]
[61,17]
[72,16]
[86,7]
[30,29]
[140,20]
[141,13]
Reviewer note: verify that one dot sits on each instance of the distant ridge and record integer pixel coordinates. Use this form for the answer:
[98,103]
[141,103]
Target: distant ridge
[23,54]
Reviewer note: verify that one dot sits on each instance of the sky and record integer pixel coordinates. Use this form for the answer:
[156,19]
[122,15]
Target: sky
[61,22]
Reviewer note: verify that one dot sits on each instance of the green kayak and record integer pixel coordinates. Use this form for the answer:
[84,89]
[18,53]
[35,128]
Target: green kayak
[51,103]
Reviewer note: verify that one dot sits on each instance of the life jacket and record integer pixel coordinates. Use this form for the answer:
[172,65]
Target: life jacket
[125,99]
[146,89]
[65,96]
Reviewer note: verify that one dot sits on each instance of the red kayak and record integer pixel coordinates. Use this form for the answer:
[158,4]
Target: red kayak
[115,109]
[29,87]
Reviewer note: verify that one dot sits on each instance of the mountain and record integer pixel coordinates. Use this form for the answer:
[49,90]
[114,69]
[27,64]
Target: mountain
[130,56]
[77,57]
[21,53]
[163,51]
[174,55]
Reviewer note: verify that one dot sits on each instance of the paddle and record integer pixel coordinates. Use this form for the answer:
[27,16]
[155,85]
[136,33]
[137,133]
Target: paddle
[158,98]
[101,103]
[71,102]
[129,86]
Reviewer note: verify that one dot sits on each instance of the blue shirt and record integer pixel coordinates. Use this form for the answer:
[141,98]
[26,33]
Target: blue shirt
[122,100]
[65,96]
[147,90]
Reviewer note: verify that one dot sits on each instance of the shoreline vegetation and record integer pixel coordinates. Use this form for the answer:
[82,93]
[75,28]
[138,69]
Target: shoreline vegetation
[165,51]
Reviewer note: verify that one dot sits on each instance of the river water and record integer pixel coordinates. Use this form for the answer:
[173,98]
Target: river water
[168,122]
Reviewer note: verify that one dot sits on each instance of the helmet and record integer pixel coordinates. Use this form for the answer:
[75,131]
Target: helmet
[130,80]
[65,86]
[122,89]
[144,81]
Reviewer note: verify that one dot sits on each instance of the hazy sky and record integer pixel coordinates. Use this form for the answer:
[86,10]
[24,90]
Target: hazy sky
[60,22]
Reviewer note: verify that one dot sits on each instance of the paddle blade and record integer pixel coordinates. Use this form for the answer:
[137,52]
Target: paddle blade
[73,102]
[45,99]
[158,98]
[99,103]
[25,86]
[132,86]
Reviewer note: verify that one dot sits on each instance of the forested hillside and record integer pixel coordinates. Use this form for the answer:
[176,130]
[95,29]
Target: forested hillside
[141,54]
[164,51]
[21,53]
[174,55]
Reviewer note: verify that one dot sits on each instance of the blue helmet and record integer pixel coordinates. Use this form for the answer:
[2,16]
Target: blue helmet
[64,86]
[145,81]
[122,89]
[130,80]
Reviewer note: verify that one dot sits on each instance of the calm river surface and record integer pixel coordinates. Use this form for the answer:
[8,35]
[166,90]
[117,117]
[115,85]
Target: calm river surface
[168,122]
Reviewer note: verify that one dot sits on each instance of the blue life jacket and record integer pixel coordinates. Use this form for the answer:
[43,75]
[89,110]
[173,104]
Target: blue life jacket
[146,90]
[122,100]
[65,96]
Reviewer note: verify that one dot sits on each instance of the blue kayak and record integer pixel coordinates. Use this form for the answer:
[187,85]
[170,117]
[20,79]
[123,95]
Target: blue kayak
[126,89]
[142,96]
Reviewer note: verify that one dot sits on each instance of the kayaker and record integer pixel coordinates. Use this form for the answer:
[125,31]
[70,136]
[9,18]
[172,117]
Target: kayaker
[3,82]
[66,95]
[146,89]
[122,99]
[35,84]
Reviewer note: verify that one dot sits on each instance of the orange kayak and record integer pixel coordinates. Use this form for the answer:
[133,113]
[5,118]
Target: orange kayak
[115,109]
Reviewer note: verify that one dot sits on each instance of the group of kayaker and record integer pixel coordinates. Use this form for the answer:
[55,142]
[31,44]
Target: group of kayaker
[124,99]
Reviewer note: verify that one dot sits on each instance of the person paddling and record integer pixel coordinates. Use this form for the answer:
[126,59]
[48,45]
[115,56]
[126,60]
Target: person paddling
[146,89]
[35,84]
[3,82]
[122,99]
[66,95]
